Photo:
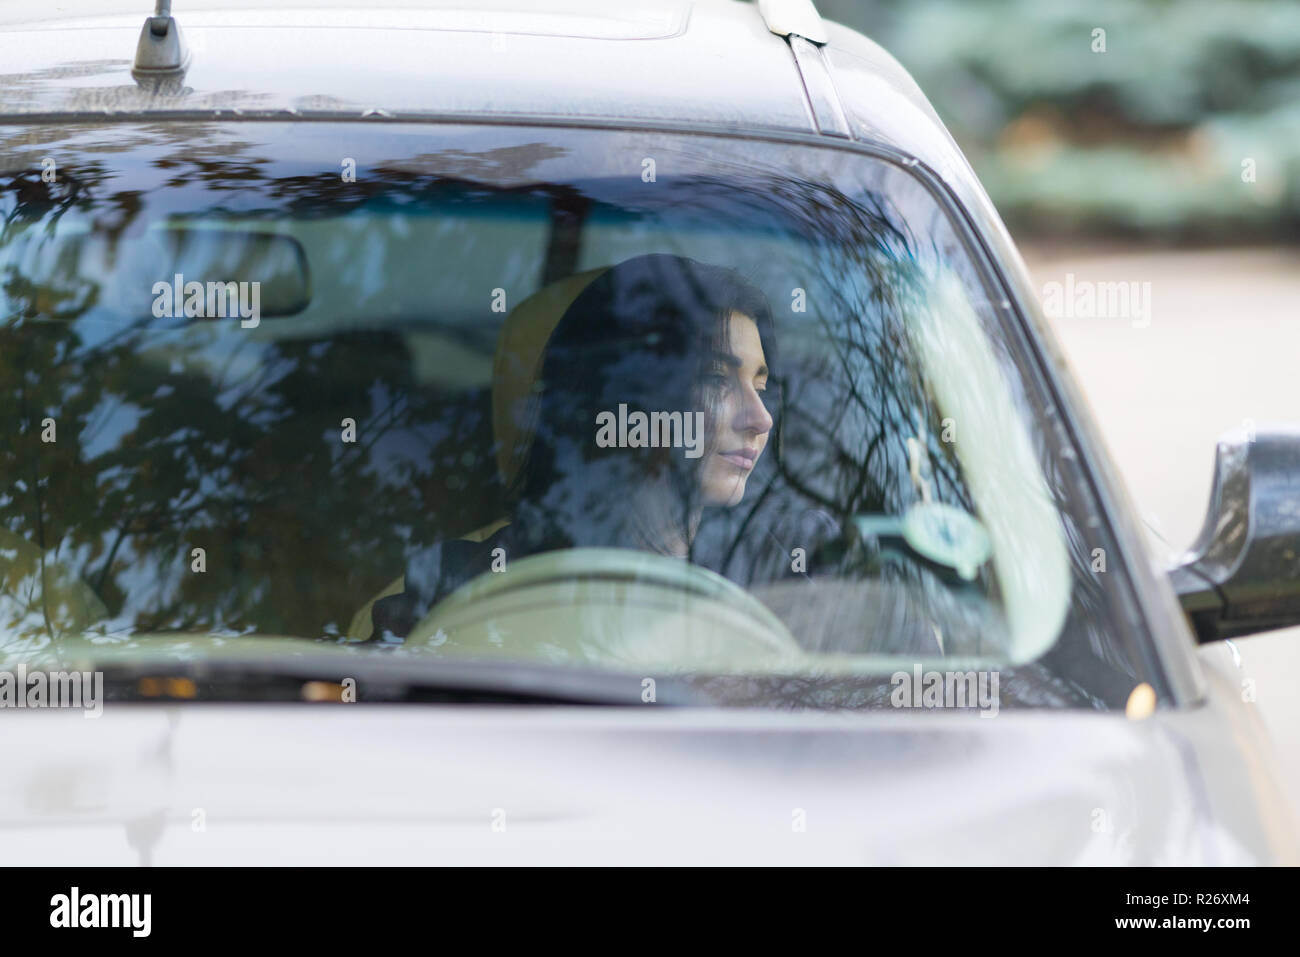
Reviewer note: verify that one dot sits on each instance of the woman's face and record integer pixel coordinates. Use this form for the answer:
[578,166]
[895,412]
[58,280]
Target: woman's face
[736,382]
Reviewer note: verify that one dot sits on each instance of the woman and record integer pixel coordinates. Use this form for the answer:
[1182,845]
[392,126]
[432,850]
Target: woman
[657,339]
[655,334]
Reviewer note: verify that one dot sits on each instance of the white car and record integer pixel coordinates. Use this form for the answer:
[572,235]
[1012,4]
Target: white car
[579,433]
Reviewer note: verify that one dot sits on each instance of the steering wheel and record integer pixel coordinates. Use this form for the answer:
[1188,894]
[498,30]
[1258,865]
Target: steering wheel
[608,605]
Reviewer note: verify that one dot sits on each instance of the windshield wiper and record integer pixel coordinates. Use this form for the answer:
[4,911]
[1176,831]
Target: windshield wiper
[395,679]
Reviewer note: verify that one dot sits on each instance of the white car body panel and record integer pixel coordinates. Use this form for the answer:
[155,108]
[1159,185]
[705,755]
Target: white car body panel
[402,784]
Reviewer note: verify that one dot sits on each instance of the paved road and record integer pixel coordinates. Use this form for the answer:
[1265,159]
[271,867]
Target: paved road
[1222,346]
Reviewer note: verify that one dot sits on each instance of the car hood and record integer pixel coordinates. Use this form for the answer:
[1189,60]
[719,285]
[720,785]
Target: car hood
[214,784]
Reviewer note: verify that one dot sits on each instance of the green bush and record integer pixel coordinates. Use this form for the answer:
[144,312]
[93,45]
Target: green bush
[1161,132]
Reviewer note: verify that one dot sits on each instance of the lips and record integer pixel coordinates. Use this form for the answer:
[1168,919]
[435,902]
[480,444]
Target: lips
[741,458]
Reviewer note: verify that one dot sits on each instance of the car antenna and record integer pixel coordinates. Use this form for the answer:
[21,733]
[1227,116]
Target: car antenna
[161,52]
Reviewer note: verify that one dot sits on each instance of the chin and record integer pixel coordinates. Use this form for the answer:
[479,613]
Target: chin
[725,492]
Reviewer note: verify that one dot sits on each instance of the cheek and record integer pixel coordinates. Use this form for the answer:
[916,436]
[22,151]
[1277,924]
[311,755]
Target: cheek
[724,412]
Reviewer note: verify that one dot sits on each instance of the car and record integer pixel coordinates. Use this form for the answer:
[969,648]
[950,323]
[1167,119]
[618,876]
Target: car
[342,524]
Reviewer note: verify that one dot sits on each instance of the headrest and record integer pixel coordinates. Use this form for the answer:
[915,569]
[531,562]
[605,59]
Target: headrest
[517,365]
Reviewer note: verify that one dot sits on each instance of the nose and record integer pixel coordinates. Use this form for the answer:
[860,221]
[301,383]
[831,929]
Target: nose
[753,417]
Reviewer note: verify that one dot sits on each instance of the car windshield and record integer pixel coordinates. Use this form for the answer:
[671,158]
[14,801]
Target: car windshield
[753,414]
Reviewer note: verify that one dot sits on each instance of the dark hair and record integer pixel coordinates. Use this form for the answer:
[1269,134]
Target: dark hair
[642,334]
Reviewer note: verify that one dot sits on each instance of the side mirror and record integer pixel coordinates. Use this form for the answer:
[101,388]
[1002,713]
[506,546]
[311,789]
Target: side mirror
[1242,574]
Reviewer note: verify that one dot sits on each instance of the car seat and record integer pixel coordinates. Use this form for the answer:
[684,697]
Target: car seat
[520,347]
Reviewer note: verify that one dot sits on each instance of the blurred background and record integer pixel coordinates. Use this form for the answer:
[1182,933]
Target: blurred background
[1138,141]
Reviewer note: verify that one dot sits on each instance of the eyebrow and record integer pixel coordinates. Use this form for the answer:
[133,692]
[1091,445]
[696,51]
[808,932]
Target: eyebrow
[734,362]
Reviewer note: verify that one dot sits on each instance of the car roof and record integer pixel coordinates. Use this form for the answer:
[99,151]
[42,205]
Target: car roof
[706,63]
[712,65]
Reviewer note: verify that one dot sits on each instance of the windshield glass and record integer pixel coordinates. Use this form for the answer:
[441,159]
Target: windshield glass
[659,404]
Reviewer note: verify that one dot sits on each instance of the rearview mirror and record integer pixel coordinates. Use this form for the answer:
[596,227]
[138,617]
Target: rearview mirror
[1242,574]
[215,254]
[174,270]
